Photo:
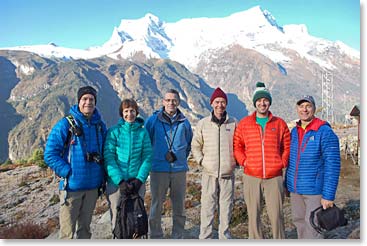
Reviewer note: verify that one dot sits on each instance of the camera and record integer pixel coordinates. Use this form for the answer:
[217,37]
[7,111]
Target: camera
[170,156]
[94,157]
[77,131]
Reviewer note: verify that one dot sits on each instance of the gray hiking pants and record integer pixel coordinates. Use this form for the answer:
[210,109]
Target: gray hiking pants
[159,184]
[76,213]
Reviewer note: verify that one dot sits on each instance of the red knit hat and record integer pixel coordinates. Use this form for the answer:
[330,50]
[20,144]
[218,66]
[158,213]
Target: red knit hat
[218,93]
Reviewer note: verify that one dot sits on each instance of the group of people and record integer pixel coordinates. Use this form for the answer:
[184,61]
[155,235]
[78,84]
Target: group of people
[275,161]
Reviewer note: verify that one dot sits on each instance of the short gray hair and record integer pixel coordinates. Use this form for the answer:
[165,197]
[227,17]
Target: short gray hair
[173,91]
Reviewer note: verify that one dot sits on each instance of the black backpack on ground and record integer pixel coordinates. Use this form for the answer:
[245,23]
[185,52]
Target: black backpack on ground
[131,219]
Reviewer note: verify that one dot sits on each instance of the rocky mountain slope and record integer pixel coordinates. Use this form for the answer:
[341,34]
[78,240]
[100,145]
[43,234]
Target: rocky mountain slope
[39,91]
[235,69]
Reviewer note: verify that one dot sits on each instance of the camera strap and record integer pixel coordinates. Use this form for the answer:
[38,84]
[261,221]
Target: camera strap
[72,130]
[75,127]
[169,141]
[98,129]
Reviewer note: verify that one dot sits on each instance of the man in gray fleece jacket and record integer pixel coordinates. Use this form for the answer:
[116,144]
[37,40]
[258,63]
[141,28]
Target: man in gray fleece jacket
[212,148]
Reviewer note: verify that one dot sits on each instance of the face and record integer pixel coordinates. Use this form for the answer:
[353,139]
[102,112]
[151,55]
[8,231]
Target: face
[87,104]
[305,111]
[129,114]
[219,106]
[262,106]
[170,103]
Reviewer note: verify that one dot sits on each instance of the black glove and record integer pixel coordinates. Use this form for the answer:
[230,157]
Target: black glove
[123,187]
[136,184]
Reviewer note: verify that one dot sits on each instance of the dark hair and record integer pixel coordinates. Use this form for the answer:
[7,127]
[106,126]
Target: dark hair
[126,103]
[174,92]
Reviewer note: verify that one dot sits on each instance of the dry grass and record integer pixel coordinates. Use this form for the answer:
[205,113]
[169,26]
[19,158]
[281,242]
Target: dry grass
[24,231]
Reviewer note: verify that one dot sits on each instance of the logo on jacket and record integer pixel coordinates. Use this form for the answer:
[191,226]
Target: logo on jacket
[312,138]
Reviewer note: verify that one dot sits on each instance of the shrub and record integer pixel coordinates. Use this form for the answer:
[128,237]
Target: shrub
[54,199]
[22,161]
[37,158]
[8,162]
[239,214]
[24,231]
[41,164]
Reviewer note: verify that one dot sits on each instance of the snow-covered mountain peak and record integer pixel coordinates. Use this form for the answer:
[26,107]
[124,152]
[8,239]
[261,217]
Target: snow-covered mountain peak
[256,17]
[189,40]
[139,28]
[297,30]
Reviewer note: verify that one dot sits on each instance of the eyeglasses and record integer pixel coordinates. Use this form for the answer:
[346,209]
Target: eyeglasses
[174,101]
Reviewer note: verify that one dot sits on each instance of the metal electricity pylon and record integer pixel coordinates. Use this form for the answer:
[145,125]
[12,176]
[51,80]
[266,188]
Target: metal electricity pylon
[327,96]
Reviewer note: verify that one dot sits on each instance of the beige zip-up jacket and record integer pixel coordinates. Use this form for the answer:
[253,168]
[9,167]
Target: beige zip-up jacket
[212,146]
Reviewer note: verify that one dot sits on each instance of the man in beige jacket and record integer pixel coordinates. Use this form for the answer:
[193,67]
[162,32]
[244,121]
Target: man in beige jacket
[212,148]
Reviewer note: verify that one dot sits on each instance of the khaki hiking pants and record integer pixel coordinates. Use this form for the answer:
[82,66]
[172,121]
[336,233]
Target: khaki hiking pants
[216,192]
[159,184]
[76,213]
[302,206]
[272,189]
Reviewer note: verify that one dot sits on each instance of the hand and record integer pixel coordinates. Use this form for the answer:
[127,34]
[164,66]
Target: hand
[123,186]
[136,183]
[326,203]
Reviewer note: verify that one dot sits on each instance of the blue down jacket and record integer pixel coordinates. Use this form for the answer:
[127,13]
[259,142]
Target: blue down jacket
[159,127]
[314,163]
[70,163]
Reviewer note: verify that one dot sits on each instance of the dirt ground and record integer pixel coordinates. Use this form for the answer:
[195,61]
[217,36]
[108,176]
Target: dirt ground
[347,198]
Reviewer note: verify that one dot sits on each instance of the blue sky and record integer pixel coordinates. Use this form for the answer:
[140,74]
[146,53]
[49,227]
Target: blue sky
[85,23]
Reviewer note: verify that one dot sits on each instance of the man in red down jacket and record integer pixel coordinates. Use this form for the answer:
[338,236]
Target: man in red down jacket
[261,146]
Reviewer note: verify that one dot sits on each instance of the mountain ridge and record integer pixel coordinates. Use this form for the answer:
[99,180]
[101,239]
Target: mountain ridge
[193,56]
[188,38]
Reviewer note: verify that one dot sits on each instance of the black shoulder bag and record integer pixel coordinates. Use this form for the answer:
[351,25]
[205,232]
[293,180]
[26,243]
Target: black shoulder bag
[327,219]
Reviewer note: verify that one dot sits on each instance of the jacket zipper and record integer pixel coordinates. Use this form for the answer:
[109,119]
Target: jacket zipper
[130,144]
[218,151]
[170,135]
[262,148]
[298,159]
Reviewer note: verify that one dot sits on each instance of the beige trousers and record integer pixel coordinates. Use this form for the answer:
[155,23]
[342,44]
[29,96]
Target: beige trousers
[76,213]
[272,189]
[216,192]
[302,206]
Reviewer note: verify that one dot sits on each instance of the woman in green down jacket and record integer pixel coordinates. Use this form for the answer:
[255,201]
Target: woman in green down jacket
[127,156]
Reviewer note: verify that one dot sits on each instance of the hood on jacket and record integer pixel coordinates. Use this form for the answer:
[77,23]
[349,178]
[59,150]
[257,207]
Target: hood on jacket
[160,115]
[314,125]
[96,117]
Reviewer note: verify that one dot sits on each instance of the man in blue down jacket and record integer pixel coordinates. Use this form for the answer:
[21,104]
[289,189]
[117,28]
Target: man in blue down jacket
[171,134]
[314,166]
[78,161]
